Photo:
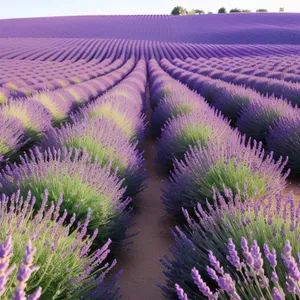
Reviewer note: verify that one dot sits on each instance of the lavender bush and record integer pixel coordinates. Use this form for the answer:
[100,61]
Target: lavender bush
[237,217]
[229,164]
[123,115]
[84,185]
[26,268]
[256,119]
[251,280]
[177,103]
[12,137]
[66,267]
[283,139]
[107,143]
[34,118]
[183,132]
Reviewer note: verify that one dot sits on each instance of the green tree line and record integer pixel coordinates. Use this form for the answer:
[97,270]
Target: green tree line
[179,10]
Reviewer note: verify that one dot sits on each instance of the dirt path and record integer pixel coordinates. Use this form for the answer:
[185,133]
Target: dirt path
[142,270]
[293,187]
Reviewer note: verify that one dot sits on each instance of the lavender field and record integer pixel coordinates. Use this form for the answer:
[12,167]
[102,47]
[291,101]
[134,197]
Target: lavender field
[150,157]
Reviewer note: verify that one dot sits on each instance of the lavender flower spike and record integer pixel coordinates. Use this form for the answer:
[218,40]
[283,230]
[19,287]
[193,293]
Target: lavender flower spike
[180,293]
[215,263]
[271,256]
[278,294]
[227,284]
[246,252]
[5,255]
[258,261]
[274,277]
[290,262]
[25,270]
[233,256]
[203,288]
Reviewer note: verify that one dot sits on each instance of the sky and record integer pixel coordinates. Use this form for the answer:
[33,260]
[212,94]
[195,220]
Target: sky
[43,8]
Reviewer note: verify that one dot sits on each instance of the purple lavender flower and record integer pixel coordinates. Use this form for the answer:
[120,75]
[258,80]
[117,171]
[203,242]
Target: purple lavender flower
[209,230]
[283,139]
[72,173]
[290,262]
[257,256]
[180,292]
[233,256]
[271,256]
[25,271]
[257,118]
[203,288]
[32,116]
[228,285]
[106,142]
[212,273]
[183,132]
[12,137]
[5,270]
[177,103]
[278,294]
[274,277]
[68,252]
[127,117]
[230,164]
[215,263]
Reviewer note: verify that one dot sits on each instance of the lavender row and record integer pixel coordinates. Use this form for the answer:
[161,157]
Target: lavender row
[58,259]
[25,120]
[206,152]
[287,65]
[88,49]
[257,71]
[91,175]
[208,156]
[195,272]
[265,86]
[268,119]
[22,70]
[237,248]
[19,87]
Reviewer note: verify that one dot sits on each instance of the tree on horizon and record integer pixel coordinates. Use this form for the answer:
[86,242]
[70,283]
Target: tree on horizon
[177,10]
[234,10]
[222,10]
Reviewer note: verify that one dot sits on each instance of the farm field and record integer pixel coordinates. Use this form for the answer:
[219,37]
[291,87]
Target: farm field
[150,157]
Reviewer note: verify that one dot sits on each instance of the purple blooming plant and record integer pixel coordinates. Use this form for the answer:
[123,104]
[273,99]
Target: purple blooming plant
[32,116]
[58,256]
[284,138]
[53,103]
[162,89]
[12,137]
[242,237]
[107,143]
[83,181]
[177,103]
[233,99]
[127,117]
[231,164]
[256,119]
[4,94]
[24,272]
[184,132]
[161,84]
[250,281]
